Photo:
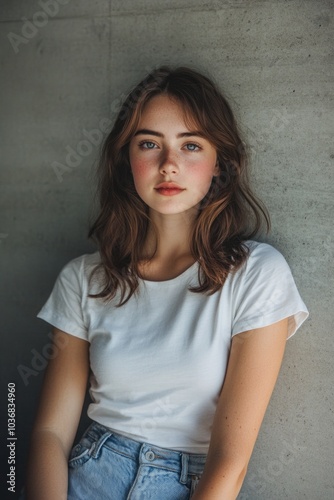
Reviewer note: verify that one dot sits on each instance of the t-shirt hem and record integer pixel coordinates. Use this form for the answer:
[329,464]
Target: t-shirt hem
[159,444]
[296,319]
[64,326]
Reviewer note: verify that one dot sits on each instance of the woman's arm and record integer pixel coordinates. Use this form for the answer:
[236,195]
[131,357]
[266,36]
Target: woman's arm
[57,419]
[253,367]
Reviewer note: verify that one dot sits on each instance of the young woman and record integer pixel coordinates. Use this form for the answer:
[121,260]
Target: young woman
[180,318]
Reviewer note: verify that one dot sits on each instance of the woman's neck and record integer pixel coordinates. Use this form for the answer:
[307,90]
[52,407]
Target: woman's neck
[174,232]
[173,255]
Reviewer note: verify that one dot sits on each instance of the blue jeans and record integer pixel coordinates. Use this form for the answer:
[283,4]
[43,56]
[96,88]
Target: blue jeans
[108,465]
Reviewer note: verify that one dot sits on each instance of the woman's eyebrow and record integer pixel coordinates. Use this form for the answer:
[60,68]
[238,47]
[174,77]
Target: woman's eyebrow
[158,134]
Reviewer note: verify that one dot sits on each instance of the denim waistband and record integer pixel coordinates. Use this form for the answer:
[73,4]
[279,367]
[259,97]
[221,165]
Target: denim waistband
[146,453]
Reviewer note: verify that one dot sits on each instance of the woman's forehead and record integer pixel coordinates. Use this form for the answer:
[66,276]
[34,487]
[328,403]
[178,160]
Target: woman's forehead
[164,105]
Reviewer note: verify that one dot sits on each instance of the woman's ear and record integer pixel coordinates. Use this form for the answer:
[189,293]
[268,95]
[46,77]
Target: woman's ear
[216,171]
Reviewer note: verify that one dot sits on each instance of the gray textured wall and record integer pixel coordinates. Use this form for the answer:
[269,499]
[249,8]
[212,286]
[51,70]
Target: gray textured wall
[62,76]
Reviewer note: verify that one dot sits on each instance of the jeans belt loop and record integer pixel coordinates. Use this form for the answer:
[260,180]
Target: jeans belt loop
[184,471]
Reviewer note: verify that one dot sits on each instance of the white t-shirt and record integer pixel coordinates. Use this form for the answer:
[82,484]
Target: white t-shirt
[158,362]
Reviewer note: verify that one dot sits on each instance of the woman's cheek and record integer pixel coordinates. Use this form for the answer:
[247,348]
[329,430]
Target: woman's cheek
[139,167]
[201,168]
[142,173]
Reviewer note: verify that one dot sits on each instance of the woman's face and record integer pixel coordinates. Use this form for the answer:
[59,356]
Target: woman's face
[172,165]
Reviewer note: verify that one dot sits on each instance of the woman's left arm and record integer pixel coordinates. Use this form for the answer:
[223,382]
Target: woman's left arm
[254,363]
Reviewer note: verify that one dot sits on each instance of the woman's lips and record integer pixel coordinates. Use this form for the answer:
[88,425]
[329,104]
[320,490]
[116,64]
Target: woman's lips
[169,188]
[169,191]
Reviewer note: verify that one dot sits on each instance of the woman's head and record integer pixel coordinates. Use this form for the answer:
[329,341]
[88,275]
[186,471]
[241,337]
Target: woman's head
[204,107]
[227,214]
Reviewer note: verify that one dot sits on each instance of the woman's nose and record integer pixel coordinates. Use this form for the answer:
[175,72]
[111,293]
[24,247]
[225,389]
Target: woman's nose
[168,164]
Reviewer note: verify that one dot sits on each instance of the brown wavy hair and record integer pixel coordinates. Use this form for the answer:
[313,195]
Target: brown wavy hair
[228,215]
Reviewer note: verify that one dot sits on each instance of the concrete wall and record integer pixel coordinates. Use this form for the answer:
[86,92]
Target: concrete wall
[64,74]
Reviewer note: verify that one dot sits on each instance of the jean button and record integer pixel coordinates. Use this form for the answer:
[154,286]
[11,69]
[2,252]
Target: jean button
[149,455]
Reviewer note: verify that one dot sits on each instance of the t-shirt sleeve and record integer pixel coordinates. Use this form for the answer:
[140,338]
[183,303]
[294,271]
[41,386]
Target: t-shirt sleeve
[267,293]
[64,307]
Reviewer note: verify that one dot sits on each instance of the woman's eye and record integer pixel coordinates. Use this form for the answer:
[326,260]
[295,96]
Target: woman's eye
[192,147]
[147,145]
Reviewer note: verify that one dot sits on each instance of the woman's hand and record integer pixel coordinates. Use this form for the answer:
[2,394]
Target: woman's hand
[220,485]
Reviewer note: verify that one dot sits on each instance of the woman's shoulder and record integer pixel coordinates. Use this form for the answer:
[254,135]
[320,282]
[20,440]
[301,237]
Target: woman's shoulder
[82,265]
[263,256]
[265,291]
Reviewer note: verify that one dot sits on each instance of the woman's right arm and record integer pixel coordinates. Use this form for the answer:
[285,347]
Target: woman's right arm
[57,419]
